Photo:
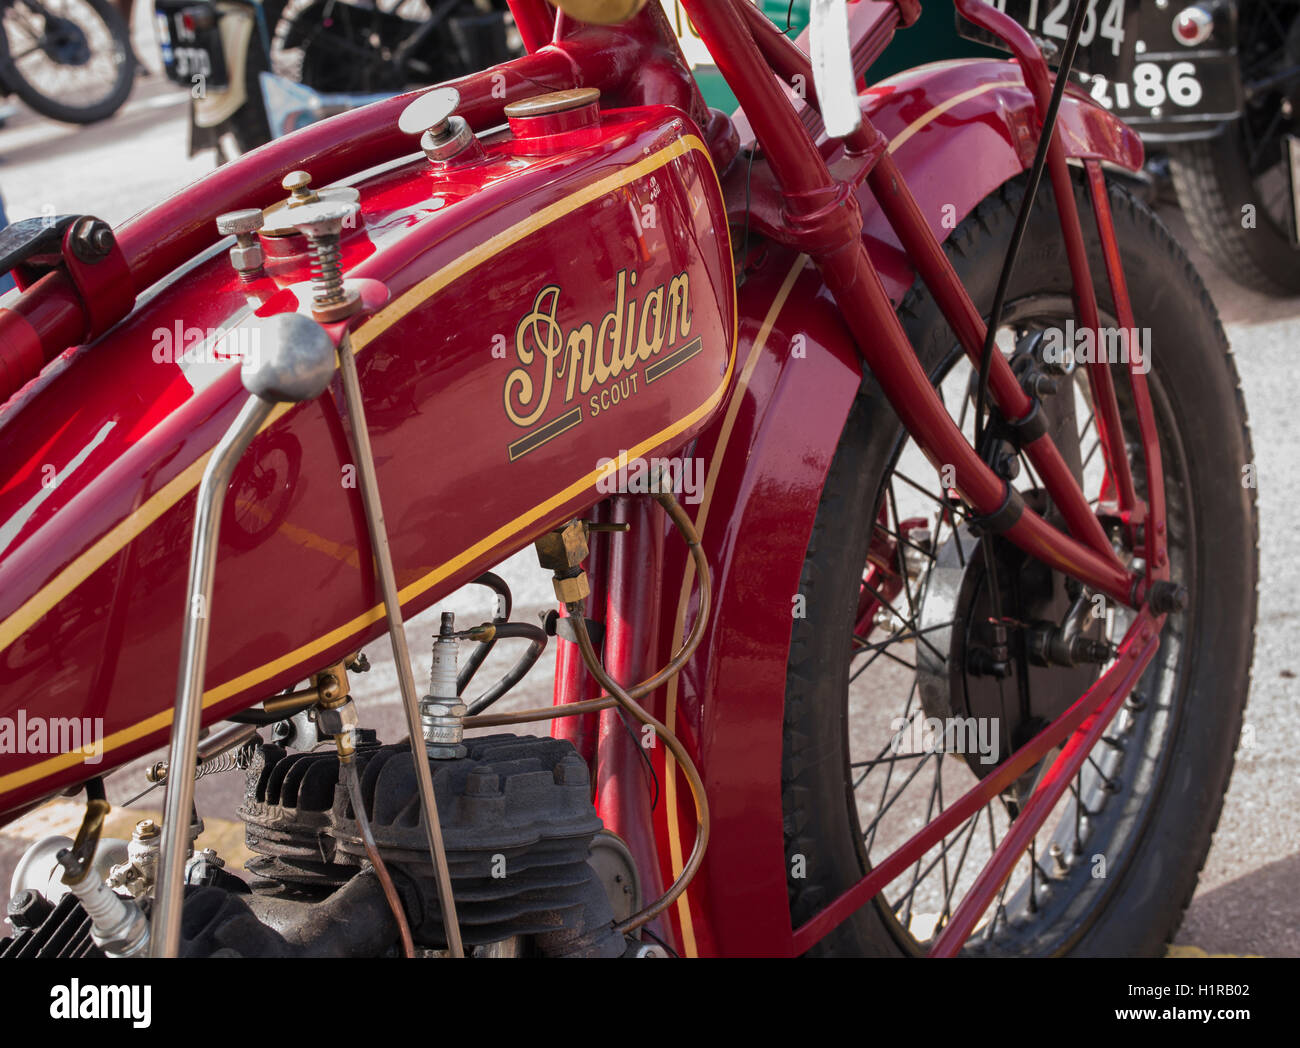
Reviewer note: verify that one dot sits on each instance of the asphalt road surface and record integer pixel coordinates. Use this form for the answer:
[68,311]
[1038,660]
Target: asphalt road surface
[1248,901]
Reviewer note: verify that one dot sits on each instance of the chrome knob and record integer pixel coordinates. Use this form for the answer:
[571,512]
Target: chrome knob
[432,116]
[249,220]
[293,359]
[325,218]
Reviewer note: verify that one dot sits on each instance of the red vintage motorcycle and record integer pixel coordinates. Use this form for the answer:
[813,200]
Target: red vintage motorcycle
[947,652]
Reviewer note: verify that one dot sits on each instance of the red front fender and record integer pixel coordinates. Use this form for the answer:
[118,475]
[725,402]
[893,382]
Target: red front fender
[958,131]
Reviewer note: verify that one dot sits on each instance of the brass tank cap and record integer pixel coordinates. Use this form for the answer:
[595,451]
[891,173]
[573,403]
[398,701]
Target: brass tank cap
[554,102]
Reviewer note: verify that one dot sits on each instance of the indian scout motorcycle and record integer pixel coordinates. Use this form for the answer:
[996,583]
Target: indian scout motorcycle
[949,655]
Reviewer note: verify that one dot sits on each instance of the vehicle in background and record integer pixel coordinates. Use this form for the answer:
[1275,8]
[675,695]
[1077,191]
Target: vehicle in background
[258,70]
[1215,87]
[933,36]
[73,63]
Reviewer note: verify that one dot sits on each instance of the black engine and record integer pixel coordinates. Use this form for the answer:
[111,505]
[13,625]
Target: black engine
[517,821]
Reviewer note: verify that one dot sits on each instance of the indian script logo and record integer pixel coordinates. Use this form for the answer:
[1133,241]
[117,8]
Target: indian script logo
[599,363]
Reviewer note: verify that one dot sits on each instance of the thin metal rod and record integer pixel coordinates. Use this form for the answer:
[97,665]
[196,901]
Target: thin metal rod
[397,634]
[348,772]
[165,925]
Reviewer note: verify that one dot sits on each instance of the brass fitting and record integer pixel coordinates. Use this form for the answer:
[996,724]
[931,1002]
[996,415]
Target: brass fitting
[332,685]
[571,589]
[341,721]
[298,183]
[563,548]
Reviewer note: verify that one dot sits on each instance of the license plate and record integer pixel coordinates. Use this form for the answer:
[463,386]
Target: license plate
[1172,89]
[190,39]
[1134,66]
[1107,38]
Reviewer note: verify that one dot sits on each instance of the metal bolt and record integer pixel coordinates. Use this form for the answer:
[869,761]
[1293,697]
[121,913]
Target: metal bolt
[322,224]
[1167,597]
[571,771]
[1040,385]
[146,829]
[482,782]
[92,240]
[246,255]
[650,950]
[28,909]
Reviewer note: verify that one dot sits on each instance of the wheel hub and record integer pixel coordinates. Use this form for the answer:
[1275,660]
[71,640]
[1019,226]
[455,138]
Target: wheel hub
[65,41]
[1011,675]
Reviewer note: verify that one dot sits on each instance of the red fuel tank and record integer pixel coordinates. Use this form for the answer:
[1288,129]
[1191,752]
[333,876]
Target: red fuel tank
[565,296]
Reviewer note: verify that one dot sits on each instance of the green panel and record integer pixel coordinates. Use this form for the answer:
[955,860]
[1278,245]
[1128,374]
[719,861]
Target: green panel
[932,38]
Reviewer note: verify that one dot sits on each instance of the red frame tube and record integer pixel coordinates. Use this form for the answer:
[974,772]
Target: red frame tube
[1106,697]
[535,21]
[905,217]
[823,215]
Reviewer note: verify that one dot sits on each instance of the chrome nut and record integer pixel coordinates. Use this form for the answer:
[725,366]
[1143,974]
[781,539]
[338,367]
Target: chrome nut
[246,259]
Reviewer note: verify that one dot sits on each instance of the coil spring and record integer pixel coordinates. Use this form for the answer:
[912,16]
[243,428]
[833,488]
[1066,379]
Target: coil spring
[327,271]
[236,760]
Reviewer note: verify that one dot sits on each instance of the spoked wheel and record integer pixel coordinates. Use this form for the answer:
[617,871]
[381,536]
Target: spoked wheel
[68,59]
[908,684]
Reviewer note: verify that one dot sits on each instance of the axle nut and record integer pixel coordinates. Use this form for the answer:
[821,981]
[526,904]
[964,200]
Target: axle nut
[1166,597]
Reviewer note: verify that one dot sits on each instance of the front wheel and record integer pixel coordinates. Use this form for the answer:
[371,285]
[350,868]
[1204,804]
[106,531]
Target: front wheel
[70,60]
[894,707]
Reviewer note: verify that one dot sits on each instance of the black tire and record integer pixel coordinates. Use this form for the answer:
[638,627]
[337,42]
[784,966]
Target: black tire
[1169,810]
[101,108]
[1213,188]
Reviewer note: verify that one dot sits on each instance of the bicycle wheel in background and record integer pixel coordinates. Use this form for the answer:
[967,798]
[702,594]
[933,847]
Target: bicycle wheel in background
[70,60]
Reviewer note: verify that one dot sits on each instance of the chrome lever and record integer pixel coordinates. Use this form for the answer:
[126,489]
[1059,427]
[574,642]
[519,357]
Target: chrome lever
[293,361]
[832,66]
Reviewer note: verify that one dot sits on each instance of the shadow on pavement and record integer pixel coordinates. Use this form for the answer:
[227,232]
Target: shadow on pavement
[1255,914]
